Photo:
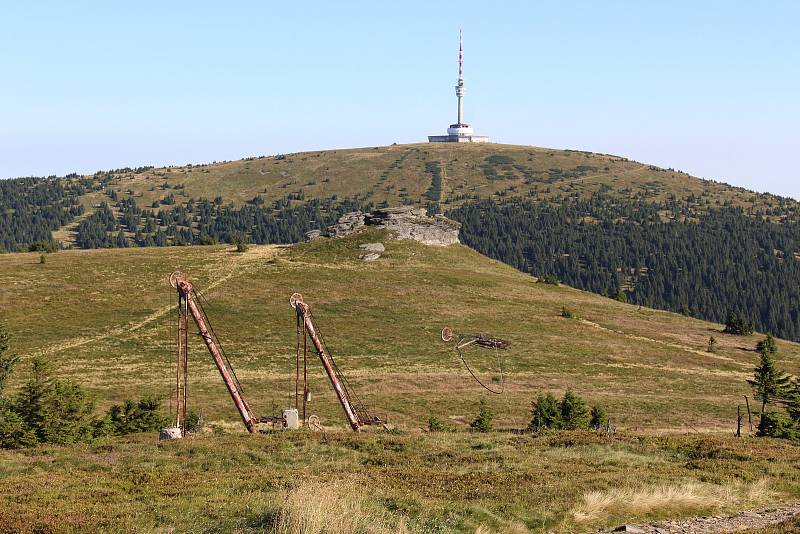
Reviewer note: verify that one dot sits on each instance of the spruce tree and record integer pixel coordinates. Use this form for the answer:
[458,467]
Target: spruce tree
[598,417]
[574,413]
[769,383]
[13,431]
[546,413]
[483,423]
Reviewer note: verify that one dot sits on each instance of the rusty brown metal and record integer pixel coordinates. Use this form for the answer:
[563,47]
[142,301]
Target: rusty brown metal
[183,365]
[188,298]
[355,419]
[304,311]
[482,340]
[306,392]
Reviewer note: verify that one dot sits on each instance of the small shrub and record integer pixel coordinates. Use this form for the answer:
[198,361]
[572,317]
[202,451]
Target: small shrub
[574,414]
[42,259]
[141,416]
[43,246]
[499,159]
[738,326]
[436,425]
[14,433]
[546,413]
[769,382]
[55,411]
[598,417]
[240,240]
[712,344]
[548,279]
[483,423]
[569,413]
[567,313]
[778,425]
[194,422]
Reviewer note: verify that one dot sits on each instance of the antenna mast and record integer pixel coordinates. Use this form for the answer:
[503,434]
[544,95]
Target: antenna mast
[460,90]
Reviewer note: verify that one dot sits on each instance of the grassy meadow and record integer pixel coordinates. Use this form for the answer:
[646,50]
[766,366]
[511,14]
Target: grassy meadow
[388,482]
[106,319]
[397,172]
[400,173]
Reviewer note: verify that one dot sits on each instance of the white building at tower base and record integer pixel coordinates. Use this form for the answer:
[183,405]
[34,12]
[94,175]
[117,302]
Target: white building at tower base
[459,133]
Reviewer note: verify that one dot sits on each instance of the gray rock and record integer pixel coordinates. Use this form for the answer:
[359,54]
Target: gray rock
[311,235]
[373,247]
[371,256]
[407,222]
[170,432]
[349,223]
[629,528]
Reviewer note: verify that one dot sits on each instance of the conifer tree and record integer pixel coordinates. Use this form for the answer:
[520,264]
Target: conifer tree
[769,383]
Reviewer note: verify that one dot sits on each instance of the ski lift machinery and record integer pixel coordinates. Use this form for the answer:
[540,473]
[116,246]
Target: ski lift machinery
[190,304]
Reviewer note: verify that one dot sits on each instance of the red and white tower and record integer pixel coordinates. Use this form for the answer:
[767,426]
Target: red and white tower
[460,89]
[460,132]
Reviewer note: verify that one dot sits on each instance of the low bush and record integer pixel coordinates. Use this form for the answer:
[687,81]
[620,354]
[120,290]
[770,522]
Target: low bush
[142,416]
[436,425]
[569,413]
[483,423]
[738,326]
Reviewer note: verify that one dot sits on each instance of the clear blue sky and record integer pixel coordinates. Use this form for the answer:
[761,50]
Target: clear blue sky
[710,88]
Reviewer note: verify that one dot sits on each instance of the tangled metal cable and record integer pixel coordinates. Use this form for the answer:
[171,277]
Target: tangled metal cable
[482,340]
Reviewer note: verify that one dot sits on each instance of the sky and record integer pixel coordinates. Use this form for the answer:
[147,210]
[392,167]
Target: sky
[709,88]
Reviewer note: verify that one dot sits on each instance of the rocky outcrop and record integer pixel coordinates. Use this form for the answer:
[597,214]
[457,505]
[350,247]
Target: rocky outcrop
[405,222]
[311,235]
[349,223]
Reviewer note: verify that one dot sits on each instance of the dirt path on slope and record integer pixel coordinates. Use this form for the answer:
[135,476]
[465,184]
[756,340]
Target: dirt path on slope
[671,345]
[743,521]
[236,265]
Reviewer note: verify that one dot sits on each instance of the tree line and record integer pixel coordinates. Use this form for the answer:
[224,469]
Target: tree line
[204,222]
[31,208]
[717,263]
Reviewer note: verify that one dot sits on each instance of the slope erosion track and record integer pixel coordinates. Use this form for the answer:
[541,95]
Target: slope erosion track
[236,265]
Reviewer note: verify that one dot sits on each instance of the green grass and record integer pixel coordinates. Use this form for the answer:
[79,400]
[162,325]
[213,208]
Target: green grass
[397,173]
[455,482]
[104,319]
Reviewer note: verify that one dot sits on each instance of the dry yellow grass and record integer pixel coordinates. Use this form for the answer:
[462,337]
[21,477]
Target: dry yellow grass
[328,508]
[688,498]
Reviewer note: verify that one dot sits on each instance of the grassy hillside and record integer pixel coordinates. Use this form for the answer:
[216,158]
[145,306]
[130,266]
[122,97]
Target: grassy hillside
[601,223]
[403,173]
[105,318]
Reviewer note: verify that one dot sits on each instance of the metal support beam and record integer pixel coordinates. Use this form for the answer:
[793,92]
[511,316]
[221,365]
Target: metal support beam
[304,312]
[187,295]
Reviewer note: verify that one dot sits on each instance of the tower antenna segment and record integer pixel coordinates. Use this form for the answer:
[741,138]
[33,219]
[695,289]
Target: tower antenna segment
[460,58]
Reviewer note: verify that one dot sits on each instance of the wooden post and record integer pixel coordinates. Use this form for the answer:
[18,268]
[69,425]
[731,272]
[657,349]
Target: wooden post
[749,413]
[739,421]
